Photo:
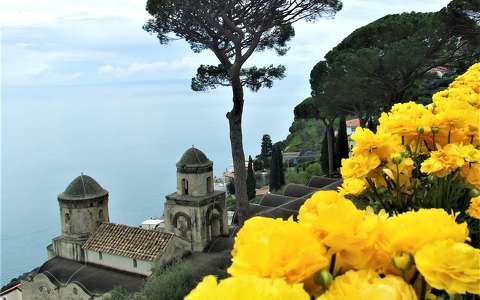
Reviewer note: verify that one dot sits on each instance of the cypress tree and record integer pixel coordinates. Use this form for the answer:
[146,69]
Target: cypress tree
[250,179]
[281,175]
[266,150]
[341,143]
[274,172]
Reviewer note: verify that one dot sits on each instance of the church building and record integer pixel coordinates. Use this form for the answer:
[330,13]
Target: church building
[91,256]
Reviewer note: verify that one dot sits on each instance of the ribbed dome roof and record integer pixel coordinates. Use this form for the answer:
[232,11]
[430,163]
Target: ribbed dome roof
[194,158]
[81,188]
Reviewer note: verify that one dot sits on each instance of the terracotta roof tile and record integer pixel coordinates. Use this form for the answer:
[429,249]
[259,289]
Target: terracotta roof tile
[129,241]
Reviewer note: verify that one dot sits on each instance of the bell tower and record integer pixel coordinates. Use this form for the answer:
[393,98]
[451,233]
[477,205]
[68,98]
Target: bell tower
[196,212]
[83,207]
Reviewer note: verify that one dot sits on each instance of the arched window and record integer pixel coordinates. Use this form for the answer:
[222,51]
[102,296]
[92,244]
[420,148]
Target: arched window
[185,186]
[67,217]
[209,185]
[100,255]
[134,263]
[100,215]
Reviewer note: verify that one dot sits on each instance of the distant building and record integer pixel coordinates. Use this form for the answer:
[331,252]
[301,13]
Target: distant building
[12,293]
[351,127]
[91,256]
[439,71]
[294,158]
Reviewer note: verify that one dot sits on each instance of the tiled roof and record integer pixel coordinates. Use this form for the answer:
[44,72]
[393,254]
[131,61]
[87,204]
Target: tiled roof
[133,242]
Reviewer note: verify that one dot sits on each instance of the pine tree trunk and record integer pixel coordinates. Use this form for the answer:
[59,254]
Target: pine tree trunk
[330,149]
[236,141]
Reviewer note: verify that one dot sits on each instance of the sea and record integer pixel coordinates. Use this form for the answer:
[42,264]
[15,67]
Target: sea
[127,136]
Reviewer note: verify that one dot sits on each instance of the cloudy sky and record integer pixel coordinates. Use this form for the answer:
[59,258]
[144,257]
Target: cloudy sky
[64,42]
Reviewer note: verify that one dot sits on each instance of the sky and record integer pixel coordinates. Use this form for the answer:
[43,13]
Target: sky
[63,42]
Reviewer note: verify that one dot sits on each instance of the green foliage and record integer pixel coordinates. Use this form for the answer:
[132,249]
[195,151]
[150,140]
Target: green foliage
[170,283]
[231,188]
[277,177]
[251,186]
[302,174]
[266,149]
[209,77]
[258,164]
[305,134]
[341,143]
[119,293]
[384,62]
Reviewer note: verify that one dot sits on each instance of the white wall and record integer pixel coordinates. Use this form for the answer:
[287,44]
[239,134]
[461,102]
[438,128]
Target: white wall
[15,294]
[119,262]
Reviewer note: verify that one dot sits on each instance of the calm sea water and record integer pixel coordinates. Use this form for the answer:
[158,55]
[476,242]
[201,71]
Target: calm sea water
[128,137]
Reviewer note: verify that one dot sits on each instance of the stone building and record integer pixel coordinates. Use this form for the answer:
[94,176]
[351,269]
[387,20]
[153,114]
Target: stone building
[91,256]
[196,212]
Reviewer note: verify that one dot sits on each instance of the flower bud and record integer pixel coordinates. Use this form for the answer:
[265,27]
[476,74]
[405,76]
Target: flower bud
[474,193]
[323,278]
[435,129]
[420,130]
[381,190]
[397,159]
[402,261]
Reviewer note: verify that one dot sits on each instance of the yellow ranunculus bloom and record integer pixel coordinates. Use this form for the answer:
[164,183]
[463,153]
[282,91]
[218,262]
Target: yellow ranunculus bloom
[347,231]
[405,119]
[366,284]
[474,208]
[352,186]
[275,248]
[471,173]
[465,88]
[444,160]
[382,144]
[410,231]
[359,166]
[451,266]
[246,287]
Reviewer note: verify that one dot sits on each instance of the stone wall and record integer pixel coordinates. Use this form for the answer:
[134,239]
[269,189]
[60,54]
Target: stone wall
[82,217]
[197,183]
[41,288]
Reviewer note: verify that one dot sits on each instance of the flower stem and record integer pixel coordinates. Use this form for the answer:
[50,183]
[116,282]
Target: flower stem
[423,288]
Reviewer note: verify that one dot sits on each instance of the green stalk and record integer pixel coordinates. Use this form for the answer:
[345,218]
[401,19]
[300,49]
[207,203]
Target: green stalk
[423,288]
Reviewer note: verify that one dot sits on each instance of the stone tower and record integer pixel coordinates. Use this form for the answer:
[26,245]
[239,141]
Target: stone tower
[83,207]
[196,212]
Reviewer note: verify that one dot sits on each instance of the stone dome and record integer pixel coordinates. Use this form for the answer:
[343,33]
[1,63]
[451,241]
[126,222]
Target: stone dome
[194,158]
[81,188]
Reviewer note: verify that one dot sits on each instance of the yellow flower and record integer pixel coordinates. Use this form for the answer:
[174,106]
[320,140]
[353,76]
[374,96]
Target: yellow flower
[405,119]
[471,173]
[474,208]
[382,144]
[352,186]
[359,166]
[444,160]
[246,287]
[347,231]
[366,284]
[451,266]
[275,248]
[410,231]
[405,169]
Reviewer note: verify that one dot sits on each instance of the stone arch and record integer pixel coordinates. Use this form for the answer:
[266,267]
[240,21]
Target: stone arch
[183,223]
[214,221]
